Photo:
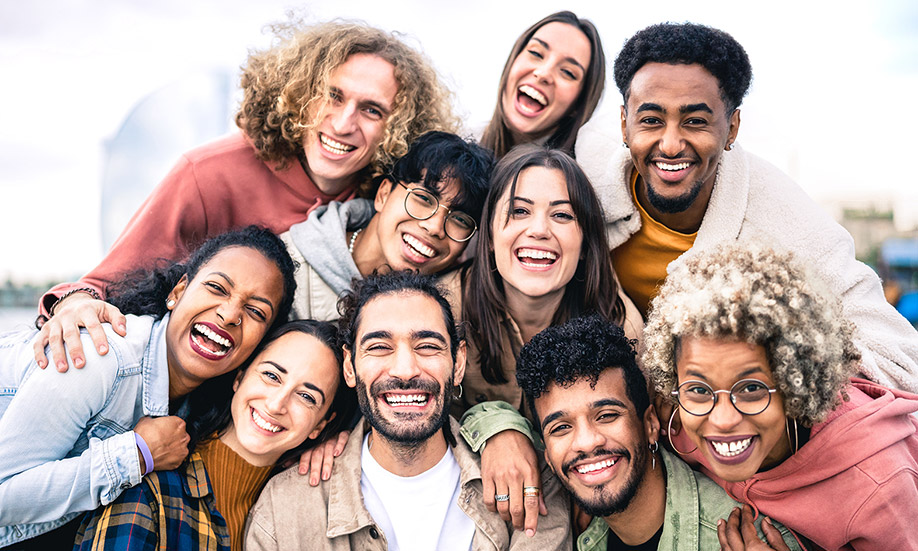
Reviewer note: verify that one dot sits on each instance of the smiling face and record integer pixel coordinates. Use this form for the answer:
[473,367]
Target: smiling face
[220,316]
[282,398]
[402,367]
[538,246]
[545,80]
[409,244]
[596,442]
[735,446]
[676,126]
[351,123]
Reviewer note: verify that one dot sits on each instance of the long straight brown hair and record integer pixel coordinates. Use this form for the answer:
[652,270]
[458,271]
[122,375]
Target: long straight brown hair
[593,287]
[497,136]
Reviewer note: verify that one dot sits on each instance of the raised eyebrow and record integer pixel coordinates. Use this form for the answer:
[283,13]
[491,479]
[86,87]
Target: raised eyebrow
[375,335]
[693,107]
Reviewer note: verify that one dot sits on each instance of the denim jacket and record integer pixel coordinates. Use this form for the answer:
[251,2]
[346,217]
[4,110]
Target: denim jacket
[66,443]
[694,504]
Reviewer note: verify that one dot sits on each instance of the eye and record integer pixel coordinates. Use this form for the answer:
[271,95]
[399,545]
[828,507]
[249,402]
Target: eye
[463,220]
[373,113]
[651,121]
[271,376]
[429,348]
[559,429]
[535,53]
[215,287]
[257,313]
[608,416]
[377,349]
[335,95]
[564,216]
[422,198]
[308,398]
[698,392]
[696,121]
[751,387]
[518,211]
[569,74]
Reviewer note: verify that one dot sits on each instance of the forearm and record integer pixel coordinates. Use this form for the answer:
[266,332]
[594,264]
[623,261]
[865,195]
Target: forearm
[484,420]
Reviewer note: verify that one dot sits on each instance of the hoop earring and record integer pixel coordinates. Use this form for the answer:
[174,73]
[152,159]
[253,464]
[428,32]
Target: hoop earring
[669,431]
[455,396]
[796,442]
[654,446]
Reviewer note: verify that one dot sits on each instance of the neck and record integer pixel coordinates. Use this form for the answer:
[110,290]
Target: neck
[645,514]
[368,253]
[178,387]
[327,186]
[407,459]
[532,314]
[687,221]
[231,439]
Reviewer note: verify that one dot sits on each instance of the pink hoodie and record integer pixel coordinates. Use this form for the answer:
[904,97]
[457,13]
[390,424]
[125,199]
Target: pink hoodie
[854,484]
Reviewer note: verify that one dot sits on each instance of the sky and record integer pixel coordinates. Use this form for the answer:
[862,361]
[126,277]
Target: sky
[831,101]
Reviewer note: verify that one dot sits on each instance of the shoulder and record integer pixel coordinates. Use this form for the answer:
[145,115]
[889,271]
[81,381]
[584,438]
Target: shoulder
[231,146]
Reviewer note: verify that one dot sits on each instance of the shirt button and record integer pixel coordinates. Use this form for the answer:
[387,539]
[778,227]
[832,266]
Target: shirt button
[481,398]
[374,533]
[125,485]
[475,434]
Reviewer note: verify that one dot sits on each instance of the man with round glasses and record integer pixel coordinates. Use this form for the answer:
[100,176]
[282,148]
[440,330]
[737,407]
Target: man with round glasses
[425,212]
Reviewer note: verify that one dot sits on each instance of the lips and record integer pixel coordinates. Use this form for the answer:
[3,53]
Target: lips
[334,146]
[406,400]
[733,450]
[672,171]
[530,101]
[536,259]
[596,469]
[209,341]
[262,423]
[417,251]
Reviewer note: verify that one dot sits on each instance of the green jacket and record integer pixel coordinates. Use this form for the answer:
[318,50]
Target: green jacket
[694,504]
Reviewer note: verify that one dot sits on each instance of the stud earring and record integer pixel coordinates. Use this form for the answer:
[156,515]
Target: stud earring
[170,303]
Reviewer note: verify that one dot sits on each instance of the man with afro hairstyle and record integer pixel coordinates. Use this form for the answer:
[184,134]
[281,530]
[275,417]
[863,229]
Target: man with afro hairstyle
[590,401]
[682,184]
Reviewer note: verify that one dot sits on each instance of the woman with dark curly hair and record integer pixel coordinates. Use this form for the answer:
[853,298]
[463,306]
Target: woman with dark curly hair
[759,363]
[74,441]
[324,110]
[550,86]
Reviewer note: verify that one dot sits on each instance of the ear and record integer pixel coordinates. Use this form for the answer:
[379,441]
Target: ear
[176,293]
[624,131]
[349,376]
[382,194]
[238,379]
[651,424]
[317,430]
[459,368]
[734,127]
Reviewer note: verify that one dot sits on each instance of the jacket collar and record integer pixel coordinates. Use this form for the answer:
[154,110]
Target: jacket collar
[156,371]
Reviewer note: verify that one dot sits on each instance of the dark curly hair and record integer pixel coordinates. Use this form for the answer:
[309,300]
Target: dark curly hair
[351,303]
[437,156]
[144,292]
[580,349]
[209,405]
[687,43]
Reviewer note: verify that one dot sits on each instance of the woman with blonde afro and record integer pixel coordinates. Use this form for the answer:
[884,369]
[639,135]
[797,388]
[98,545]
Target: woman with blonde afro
[324,110]
[758,364]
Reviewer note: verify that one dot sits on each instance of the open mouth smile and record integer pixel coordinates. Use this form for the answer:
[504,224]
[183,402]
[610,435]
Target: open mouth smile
[263,423]
[530,101]
[406,400]
[733,450]
[536,258]
[333,146]
[418,247]
[210,341]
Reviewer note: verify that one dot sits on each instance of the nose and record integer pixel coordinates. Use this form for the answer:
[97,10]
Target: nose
[435,226]
[542,73]
[343,118]
[404,364]
[230,311]
[539,227]
[276,402]
[586,439]
[724,416]
[671,143]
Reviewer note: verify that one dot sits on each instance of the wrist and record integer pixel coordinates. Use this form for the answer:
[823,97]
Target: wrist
[145,456]
[89,291]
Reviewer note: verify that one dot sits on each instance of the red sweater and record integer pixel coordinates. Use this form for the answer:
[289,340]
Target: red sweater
[212,189]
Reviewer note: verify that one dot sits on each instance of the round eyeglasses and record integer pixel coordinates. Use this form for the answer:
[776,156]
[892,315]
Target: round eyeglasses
[421,204]
[748,396]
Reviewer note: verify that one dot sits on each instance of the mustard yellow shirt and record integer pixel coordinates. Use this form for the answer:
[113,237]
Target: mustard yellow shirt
[641,261]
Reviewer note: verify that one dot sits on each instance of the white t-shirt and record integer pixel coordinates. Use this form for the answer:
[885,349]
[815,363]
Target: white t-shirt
[417,513]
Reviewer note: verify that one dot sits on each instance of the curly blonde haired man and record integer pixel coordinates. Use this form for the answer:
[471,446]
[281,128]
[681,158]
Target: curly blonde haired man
[324,110]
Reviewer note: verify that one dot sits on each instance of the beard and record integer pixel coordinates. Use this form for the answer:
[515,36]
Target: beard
[673,205]
[408,428]
[602,502]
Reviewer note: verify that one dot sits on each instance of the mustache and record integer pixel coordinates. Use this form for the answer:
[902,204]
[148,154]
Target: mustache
[567,466]
[424,385]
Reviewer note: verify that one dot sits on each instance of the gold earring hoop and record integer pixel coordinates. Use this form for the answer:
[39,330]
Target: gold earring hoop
[795,444]
[669,434]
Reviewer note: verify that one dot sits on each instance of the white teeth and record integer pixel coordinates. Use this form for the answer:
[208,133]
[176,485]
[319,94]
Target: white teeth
[418,246]
[536,253]
[406,399]
[672,168]
[207,332]
[263,423]
[584,469]
[334,146]
[729,449]
[534,94]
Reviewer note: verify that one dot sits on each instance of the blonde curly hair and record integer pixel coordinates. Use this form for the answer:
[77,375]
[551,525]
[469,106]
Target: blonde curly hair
[762,297]
[283,84]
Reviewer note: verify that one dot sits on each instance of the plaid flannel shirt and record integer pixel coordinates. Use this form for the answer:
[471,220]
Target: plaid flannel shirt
[168,510]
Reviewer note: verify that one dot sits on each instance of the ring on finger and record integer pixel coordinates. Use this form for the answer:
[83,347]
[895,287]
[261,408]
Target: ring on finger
[501,497]
[531,491]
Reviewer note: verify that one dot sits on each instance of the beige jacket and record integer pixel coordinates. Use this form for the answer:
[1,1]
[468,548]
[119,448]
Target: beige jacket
[291,514]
